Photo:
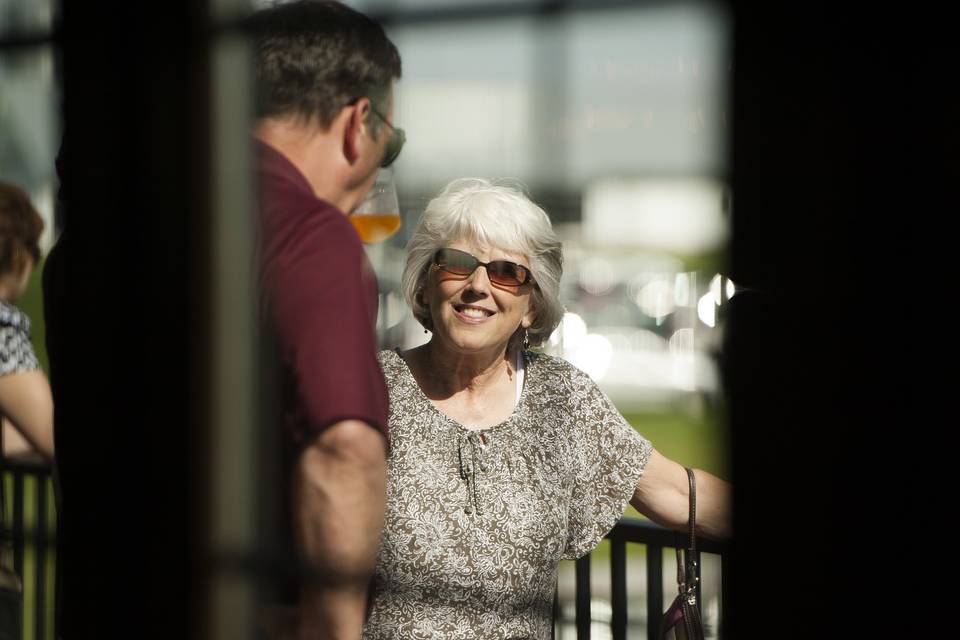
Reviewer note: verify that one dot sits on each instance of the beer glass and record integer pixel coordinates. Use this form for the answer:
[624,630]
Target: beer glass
[378,216]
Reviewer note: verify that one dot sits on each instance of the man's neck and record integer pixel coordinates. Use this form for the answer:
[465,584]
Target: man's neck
[312,151]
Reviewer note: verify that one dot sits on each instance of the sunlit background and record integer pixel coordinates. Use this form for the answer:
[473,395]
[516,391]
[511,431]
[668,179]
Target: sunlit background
[615,117]
[616,120]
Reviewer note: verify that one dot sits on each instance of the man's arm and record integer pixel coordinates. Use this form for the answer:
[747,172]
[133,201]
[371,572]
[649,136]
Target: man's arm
[663,495]
[339,488]
[322,303]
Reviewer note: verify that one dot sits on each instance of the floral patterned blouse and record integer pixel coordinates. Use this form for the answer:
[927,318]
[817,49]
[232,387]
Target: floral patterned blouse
[478,521]
[16,352]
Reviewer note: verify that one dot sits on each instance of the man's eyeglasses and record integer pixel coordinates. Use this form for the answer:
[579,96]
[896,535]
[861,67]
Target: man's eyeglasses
[394,144]
[500,272]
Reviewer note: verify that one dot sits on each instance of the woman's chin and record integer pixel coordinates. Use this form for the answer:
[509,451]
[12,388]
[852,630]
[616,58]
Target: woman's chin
[471,344]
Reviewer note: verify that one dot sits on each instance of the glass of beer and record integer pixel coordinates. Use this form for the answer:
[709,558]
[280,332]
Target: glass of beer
[378,216]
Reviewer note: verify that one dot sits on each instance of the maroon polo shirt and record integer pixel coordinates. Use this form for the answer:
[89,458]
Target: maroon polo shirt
[319,295]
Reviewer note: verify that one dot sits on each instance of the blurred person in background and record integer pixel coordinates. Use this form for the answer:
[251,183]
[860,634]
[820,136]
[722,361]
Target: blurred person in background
[26,404]
[503,461]
[325,77]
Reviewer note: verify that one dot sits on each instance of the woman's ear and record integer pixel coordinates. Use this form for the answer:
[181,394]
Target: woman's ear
[527,320]
[534,305]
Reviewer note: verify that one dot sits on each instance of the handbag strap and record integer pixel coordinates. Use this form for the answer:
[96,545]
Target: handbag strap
[692,547]
[3,494]
[686,557]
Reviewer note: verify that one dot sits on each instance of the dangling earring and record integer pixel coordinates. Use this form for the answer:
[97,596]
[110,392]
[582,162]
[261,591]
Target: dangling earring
[526,340]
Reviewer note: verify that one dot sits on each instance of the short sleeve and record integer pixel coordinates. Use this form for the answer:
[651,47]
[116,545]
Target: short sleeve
[323,308]
[607,459]
[16,351]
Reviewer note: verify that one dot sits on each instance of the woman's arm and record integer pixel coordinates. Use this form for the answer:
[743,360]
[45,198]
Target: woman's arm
[14,444]
[663,496]
[27,404]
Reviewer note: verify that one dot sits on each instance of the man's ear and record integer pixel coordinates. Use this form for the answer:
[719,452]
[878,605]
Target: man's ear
[355,128]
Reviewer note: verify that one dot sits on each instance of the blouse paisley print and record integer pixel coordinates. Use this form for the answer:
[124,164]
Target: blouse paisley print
[478,521]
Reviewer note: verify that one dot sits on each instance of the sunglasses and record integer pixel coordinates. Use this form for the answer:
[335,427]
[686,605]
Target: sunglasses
[394,144]
[500,272]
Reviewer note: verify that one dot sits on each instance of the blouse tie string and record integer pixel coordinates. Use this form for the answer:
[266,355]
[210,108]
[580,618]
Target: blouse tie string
[470,448]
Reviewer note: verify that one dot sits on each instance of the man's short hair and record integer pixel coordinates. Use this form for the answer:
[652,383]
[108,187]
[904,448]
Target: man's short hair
[313,58]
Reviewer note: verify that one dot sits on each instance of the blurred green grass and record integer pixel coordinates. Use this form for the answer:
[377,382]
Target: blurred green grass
[691,439]
[31,303]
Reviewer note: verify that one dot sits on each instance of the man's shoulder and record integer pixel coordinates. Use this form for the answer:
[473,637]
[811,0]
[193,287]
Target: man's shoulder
[284,191]
[281,197]
[292,219]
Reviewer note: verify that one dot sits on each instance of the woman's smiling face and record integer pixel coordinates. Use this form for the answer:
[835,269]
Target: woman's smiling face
[469,313]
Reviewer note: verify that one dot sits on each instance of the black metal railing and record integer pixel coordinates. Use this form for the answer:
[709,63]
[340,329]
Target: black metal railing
[655,539]
[28,529]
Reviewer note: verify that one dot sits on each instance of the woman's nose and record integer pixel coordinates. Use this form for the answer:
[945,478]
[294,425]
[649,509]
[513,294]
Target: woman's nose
[479,280]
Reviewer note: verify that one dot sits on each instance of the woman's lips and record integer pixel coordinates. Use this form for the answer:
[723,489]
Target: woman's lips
[471,313]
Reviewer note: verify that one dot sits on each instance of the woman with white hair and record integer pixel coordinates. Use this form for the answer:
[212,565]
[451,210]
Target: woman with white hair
[503,461]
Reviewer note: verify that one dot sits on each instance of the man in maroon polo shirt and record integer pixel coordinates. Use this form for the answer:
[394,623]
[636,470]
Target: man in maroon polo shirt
[325,100]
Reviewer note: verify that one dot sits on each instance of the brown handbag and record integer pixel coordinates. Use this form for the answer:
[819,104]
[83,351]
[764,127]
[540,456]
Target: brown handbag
[682,620]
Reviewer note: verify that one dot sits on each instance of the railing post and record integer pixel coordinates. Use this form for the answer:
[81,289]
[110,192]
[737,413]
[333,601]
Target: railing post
[18,532]
[618,587]
[556,610]
[583,598]
[726,581]
[40,547]
[654,590]
[27,529]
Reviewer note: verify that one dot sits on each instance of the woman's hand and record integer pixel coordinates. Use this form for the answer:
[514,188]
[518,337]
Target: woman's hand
[663,496]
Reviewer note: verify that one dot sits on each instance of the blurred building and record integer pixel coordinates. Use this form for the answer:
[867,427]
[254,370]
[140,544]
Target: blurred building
[615,117]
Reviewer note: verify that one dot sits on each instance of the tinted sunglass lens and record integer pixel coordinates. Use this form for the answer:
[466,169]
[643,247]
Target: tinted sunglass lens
[505,273]
[394,146]
[389,156]
[457,262]
[463,264]
[502,272]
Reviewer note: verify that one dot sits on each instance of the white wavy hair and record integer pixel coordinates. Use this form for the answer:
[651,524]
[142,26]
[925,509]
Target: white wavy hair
[490,214]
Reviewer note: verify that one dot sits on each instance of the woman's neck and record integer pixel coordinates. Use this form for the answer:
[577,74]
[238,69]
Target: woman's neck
[444,373]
